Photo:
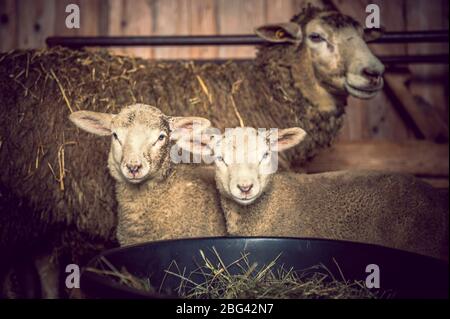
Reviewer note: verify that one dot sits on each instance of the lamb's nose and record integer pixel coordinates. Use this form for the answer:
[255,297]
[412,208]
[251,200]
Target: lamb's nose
[134,168]
[245,188]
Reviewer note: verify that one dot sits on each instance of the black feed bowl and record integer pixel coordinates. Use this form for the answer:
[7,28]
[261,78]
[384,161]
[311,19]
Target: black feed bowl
[408,275]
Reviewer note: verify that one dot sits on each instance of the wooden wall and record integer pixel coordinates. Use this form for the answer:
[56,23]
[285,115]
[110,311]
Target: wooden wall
[420,91]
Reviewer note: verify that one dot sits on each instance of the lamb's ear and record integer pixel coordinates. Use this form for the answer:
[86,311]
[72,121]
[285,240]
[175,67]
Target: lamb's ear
[180,126]
[373,34]
[281,32]
[93,122]
[286,138]
[200,144]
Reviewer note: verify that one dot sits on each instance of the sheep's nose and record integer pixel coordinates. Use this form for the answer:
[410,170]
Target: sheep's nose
[245,188]
[134,168]
[372,73]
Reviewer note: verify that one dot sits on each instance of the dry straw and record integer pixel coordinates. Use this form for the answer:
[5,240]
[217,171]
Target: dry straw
[243,279]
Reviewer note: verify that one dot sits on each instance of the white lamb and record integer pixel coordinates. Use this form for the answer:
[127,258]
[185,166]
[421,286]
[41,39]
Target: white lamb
[393,210]
[156,200]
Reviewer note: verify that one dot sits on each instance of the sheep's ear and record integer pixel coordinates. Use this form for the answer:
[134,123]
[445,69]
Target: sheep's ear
[373,34]
[281,32]
[182,126]
[93,122]
[286,138]
[200,144]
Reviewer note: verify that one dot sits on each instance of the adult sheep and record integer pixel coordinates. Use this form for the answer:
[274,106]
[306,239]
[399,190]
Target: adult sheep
[55,192]
[302,77]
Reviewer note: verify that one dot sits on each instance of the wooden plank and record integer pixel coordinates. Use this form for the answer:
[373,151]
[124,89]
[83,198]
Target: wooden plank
[8,30]
[431,126]
[89,14]
[172,18]
[114,26]
[428,81]
[103,18]
[279,11]
[60,19]
[132,18]
[36,23]
[89,22]
[203,22]
[375,119]
[413,157]
[239,17]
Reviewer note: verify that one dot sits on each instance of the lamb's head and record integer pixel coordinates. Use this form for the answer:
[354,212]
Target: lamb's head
[335,45]
[141,139]
[245,158]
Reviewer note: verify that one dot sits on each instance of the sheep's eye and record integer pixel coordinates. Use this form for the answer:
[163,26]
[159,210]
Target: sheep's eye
[315,37]
[161,137]
[280,34]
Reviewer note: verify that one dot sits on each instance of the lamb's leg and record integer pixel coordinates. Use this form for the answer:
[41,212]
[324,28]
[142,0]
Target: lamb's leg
[48,271]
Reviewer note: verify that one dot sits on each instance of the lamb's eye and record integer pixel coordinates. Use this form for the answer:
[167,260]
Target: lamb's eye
[315,37]
[116,138]
[221,159]
[266,155]
[161,137]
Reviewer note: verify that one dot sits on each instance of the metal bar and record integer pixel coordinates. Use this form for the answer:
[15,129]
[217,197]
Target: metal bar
[386,59]
[414,37]
[155,40]
[415,59]
[389,37]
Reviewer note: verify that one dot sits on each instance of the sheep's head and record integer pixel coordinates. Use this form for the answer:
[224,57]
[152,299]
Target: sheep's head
[245,158]
[141,139]
[335,45]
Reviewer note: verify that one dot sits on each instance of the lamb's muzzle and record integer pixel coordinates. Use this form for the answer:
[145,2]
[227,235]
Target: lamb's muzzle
[134,168]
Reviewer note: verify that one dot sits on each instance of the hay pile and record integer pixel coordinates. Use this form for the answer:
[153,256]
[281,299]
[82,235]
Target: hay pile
[259,93]
[55,190]
[244,280]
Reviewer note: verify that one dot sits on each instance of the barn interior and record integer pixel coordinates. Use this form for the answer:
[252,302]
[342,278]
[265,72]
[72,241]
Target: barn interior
[403,129]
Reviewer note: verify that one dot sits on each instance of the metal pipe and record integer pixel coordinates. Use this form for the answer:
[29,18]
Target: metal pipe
[155,40]
[386,59]
[414,37]
[415,59]
[76,42]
